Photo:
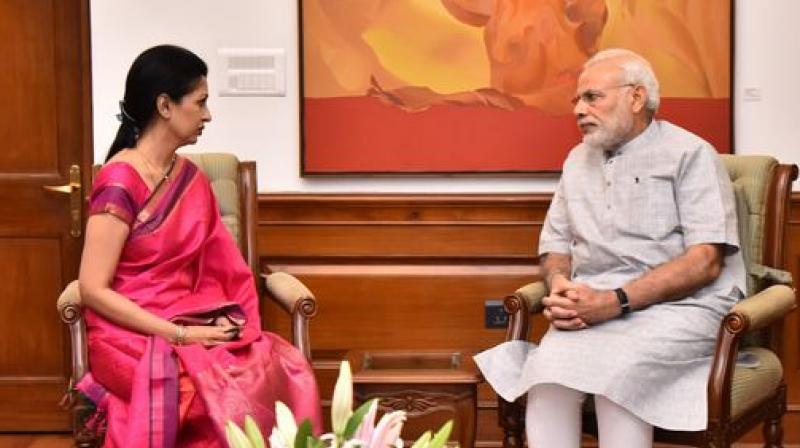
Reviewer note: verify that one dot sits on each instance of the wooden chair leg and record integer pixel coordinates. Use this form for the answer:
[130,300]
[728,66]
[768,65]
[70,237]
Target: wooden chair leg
[511,417]
[717,436]
[717,440]
[773,427]
[82,411]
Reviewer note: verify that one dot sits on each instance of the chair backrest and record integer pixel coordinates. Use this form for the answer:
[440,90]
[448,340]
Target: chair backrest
[751,177]
[763,190]
[234,185]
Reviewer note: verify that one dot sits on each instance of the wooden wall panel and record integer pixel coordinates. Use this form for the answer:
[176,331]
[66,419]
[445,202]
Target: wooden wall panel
[791,329]
[414,271]
[32,353]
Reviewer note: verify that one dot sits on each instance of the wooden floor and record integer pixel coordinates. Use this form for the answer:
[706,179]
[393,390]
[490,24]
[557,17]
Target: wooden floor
[36,441]
[65,441]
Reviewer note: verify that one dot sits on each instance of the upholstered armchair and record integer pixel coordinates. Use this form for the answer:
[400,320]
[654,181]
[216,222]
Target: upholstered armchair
[739,397]
[234,185]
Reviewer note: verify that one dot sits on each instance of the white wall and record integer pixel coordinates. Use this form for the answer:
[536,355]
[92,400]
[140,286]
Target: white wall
[768,60]
[266,129]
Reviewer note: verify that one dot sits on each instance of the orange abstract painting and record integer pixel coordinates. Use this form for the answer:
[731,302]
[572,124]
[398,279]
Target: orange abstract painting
[484,86]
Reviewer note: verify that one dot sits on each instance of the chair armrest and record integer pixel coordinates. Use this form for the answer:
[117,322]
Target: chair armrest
[297,300]
[751,314]
[762,309]
[519,306]
[290,293]
[69,308]
[533,293]
[69,302]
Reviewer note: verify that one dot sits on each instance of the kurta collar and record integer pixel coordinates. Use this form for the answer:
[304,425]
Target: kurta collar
[640,141]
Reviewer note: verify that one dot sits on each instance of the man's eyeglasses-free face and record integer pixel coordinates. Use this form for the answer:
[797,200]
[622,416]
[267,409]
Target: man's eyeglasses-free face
[592,95]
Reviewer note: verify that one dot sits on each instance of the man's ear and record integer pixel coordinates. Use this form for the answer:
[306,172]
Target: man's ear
[639,98]
[164,106]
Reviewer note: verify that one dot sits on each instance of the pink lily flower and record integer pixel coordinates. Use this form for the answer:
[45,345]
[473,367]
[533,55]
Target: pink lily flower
[367,426]
[388,430]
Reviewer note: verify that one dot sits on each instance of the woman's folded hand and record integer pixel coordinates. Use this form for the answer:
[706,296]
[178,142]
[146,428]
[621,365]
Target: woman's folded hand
[211,335]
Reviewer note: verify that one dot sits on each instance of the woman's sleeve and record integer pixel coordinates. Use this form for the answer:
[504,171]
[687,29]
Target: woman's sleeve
[112,194]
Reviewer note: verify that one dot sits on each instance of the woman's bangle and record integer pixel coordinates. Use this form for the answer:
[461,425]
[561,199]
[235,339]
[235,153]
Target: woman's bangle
[180,334]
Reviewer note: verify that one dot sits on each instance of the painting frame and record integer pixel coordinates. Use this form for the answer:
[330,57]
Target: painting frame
[321,158]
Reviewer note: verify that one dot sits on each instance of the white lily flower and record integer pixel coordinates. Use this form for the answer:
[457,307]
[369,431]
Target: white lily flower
[342,405]
[386,434]
[236,437]
[286,424]
[276,440]
[253,433]
[331,439]
[229,434]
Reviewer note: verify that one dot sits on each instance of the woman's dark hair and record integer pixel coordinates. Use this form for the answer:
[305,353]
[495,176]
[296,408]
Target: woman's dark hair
[164,69]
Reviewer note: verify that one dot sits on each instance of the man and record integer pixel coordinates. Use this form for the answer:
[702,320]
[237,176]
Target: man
[640,255]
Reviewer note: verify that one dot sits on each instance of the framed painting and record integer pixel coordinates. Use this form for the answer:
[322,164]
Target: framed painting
[484,86]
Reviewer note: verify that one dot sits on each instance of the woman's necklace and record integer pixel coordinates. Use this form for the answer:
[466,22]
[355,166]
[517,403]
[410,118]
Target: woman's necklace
[159,176]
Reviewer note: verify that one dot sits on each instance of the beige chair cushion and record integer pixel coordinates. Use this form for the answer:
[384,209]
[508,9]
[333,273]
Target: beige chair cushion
[222,171]
[70,296]
[286,289]
[750,175]
[753,384]
[743,221]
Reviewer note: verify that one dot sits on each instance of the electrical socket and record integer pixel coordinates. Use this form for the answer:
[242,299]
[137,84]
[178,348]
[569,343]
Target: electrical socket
[494,314]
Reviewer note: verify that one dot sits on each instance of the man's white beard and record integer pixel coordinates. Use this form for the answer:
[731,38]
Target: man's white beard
[613,134]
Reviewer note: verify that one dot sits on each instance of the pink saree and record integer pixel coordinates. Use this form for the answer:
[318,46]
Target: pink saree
[181,263]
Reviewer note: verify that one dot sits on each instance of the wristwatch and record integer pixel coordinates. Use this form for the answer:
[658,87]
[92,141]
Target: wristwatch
[624,305]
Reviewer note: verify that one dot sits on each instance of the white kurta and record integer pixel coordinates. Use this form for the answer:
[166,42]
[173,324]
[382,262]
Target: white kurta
[619,216]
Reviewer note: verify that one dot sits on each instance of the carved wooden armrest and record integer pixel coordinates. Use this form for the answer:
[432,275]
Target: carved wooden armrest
[297,300]
[69,303]
[751,314]
[290,293]
[519,306]
[69,308]
[532,294]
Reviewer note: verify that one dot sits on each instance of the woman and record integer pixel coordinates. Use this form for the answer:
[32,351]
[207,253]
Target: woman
[174,333]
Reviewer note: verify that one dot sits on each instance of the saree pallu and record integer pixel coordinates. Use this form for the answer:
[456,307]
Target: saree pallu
[181,263]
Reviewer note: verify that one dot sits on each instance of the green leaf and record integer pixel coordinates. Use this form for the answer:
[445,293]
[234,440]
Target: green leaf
[355,420]
[442,435]
[423,440]
[303,434]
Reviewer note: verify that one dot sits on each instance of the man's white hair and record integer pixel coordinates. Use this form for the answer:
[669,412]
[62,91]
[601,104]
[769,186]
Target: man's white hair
[635,70]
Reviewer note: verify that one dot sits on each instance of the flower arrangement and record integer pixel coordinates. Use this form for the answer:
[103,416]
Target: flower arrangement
[351,429]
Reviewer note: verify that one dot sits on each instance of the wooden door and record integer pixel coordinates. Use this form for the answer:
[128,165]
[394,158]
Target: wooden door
[45,125]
